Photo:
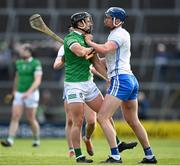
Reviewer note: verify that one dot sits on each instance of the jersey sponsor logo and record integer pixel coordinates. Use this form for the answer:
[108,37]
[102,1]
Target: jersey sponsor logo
[72,96]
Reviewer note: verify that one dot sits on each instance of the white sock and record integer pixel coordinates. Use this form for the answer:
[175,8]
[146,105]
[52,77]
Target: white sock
[10,140]
[116,157]
[149,157]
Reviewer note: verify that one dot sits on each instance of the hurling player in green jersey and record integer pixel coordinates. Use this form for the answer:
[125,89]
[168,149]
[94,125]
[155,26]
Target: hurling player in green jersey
[79,87]
[26,94]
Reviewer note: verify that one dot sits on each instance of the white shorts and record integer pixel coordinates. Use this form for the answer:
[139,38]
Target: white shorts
[80,92]
[31,101]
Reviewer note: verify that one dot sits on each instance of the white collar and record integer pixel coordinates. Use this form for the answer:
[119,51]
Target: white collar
[29,59]
[78,32]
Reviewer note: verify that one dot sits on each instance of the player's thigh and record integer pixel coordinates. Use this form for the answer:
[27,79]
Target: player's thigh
[17,111]
[96,103]
[77,112]
[90,115]
[68,113]
[109,106]
[130,110]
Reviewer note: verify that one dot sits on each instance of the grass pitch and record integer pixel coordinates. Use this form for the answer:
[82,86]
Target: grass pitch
[54,152]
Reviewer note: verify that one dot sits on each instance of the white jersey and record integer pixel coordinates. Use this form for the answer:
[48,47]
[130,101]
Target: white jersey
[61,52]
[118,61]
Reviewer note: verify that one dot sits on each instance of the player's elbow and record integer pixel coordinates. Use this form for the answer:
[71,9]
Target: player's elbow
[55,67]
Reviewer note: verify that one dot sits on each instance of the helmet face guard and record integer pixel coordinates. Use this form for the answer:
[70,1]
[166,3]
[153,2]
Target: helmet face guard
[80,17]
[117,13]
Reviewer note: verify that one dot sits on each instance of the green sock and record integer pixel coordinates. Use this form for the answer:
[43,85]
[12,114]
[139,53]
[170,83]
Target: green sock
[117,140]
[78,152]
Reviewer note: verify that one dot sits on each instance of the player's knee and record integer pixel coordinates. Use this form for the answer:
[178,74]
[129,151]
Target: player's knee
[100,118]
[78,123]
[15,117]
[132,123]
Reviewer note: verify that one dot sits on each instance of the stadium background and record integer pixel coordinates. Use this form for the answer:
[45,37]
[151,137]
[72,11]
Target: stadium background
[149,22]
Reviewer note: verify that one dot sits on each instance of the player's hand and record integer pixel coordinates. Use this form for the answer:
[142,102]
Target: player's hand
[89,56]
[25,95]
[8,98]
[88,37]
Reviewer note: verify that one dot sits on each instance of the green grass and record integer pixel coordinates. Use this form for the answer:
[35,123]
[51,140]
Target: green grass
[54,152]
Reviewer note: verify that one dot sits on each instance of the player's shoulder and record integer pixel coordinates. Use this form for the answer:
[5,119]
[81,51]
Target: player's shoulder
[36,61]
[69,35]
[19,61]
[70,39]
[123,31]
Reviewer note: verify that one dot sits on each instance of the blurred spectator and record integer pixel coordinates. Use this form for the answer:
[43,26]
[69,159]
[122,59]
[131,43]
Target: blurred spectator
[161,61]
[45,107]
[177,57]
[6,61]
[143,106]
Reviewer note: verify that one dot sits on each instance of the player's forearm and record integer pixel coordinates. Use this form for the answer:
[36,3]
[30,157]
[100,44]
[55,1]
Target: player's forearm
[58,64]
[101,71]
[80,50]
[100,67]
[35,85]
[100,48]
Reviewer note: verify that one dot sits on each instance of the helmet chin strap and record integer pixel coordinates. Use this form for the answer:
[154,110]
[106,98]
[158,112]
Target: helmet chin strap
[114,23]
[83,28]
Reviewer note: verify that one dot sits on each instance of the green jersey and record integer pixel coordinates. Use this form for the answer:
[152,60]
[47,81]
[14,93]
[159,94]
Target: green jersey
[76,68]
[25,72]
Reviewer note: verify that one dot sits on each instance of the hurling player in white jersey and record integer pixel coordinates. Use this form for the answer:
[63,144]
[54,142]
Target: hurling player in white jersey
[123,90]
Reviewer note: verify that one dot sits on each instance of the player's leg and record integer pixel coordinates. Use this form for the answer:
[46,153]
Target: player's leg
[77,110]
[107,110]
[31,105]
[74,94]
[16,114]
[31,117]
[68,128]
[130,112]
[95,105]
[90,117]
[121,144]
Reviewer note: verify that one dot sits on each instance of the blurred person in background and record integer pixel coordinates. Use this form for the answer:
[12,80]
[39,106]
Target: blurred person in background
[90,116]
[45,106]
[6,61]
[26,94]
[177,57]
[123,90]
[143,106]
[161,61]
